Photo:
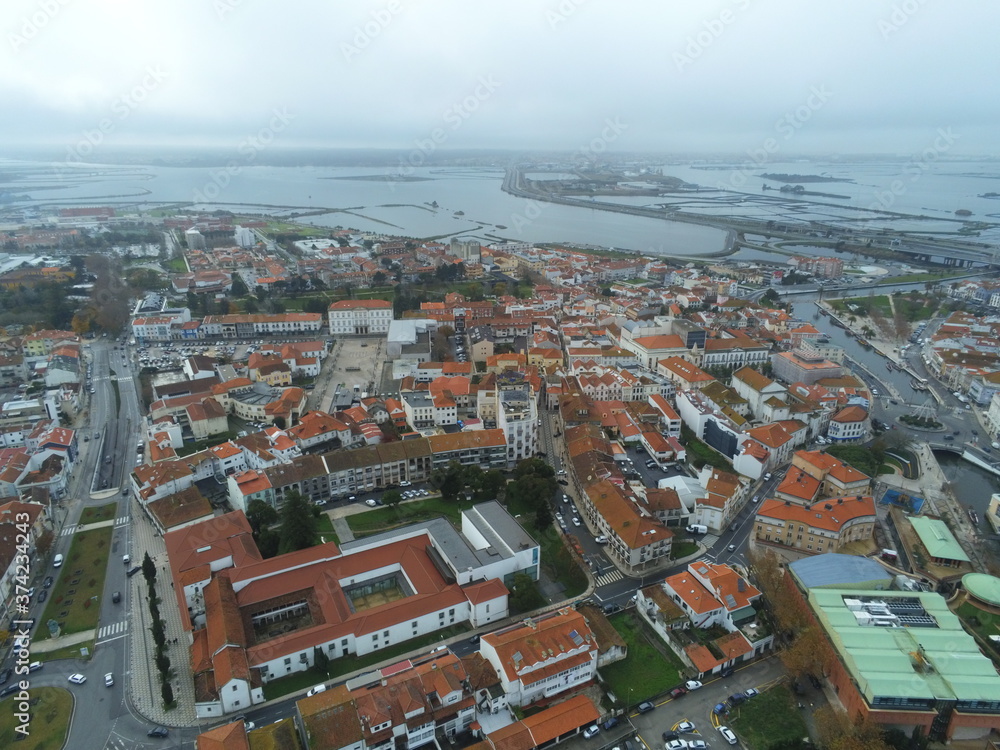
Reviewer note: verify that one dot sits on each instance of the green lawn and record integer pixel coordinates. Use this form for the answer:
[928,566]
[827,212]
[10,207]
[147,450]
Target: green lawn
[177,265]
[912,310]
[324,527]
[49,720]
[983,624]
[684,548]
[380,519]
[98,513]
[339,667]
[769,719]
[646,670]
[72,601]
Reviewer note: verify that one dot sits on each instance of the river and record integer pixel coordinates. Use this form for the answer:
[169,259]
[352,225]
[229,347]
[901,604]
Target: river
[972,486]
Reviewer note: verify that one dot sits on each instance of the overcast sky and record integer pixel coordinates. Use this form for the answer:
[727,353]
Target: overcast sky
[804,76]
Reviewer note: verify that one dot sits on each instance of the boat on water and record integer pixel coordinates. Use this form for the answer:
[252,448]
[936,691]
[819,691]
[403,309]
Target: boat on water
[973,516]
[849,332]
[837,323]
[823,312]
[890,366]
[919,386]
[864,343]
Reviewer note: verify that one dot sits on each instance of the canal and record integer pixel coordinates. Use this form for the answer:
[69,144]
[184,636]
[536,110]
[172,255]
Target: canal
[972,486]
[807,311]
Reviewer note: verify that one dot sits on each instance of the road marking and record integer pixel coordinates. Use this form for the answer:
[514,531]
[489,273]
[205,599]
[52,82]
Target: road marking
[604,580]
[110,640]
[109,630]
[69,530]
[121,521]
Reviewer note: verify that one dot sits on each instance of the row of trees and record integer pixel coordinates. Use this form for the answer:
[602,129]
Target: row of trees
[158,630]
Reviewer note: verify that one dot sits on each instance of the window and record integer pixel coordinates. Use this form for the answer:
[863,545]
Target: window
[288,661]
[235,688]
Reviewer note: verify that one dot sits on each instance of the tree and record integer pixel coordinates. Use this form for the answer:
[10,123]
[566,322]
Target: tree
[543,516]
[315,305]
[379,278]
[298,523]
[321,661]
[260,515]
[806,654]
[239,288]
[392,498]
[524,595]
[268,542]
[44,542]
[148,570]
[493,485]
[167,693]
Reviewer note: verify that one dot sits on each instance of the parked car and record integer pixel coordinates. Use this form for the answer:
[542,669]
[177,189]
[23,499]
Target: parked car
[751,692]
[77,679]
[645,707]
[109,680]
[697,744]
[591,731]
[132,571]
[43,595]
[675,745]
[47,583]
[316,689]
[685,727]
[692,684]
[678,692]
[158,732]
[727,735]
[610,723]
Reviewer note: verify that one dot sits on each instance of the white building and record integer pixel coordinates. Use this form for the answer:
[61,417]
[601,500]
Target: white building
[517,416]
[360,317]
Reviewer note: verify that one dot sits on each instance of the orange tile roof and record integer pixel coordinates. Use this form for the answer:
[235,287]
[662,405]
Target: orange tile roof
[829,515]
[798,484]
[698,598]
[227,737]
[851,414]
[527,645]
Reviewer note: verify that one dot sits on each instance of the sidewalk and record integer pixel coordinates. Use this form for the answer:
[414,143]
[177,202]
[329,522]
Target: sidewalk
[144,679]
[54,644]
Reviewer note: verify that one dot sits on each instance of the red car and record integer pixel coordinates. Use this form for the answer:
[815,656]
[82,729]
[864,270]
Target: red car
[678,692]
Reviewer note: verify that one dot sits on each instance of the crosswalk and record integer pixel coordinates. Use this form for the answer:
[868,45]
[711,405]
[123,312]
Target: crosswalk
[610,577]
[108,631]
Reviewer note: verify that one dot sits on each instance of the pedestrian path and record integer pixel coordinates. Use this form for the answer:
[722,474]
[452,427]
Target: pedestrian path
[108,631]
[116,522]
[604,580]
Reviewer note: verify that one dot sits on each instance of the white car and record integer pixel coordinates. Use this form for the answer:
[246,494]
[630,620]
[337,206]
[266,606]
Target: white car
[727,735]
[77,679]
[697,745]
[109,680]
[601,539]
[685,727]
[577,521]
[675,745]
[590,731]
[370,503]
[751,692]
[404,484]
[316,689]
[692,684]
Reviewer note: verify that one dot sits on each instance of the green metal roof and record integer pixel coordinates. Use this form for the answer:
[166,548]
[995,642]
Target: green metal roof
[984,587]
[881,659]
[937,538]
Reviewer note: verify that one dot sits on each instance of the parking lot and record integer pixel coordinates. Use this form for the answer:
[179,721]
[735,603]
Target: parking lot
[696,707]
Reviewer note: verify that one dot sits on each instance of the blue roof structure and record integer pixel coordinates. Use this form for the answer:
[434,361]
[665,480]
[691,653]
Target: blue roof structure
[836,570]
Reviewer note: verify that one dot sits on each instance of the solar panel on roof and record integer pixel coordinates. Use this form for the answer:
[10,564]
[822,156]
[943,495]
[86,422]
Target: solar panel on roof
[575,637]
[730,601]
